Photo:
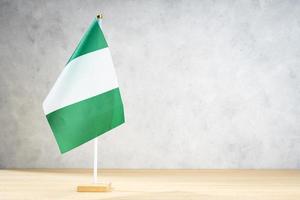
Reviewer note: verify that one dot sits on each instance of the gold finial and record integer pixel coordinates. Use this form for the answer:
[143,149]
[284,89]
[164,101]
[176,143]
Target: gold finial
[99,16]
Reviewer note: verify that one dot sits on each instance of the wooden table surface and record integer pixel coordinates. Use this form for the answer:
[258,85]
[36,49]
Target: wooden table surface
[152,184]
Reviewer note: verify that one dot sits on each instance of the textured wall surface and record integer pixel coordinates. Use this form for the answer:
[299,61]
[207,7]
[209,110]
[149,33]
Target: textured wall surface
[206,84]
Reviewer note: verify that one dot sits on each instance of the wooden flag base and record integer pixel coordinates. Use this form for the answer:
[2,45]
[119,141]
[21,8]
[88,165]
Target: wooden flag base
[101,187]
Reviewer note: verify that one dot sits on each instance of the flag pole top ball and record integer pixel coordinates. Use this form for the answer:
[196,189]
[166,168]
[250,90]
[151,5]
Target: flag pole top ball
[99,16]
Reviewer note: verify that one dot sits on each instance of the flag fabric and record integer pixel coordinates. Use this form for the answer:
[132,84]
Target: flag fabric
[85,100]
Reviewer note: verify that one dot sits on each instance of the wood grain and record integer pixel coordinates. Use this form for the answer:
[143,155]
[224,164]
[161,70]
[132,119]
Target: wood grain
[152,184]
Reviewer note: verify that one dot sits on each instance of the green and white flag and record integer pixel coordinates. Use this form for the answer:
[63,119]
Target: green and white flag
[85,100]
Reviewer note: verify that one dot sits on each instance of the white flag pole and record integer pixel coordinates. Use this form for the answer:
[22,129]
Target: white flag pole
[99,18]
[95,160]
[95,187]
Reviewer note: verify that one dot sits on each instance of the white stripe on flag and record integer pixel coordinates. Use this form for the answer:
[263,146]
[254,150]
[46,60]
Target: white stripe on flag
[84,77]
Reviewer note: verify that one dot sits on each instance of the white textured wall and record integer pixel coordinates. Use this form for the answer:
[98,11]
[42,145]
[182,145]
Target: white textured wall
[206,84]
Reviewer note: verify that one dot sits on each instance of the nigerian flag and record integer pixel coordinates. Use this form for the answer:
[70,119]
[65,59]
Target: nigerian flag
[85,100]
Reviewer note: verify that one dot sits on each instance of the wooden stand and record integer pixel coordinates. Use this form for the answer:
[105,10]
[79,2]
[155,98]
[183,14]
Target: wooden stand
[101,187]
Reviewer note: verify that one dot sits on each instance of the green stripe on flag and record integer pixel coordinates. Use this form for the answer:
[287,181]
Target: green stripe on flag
[100,113]
[92,40]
